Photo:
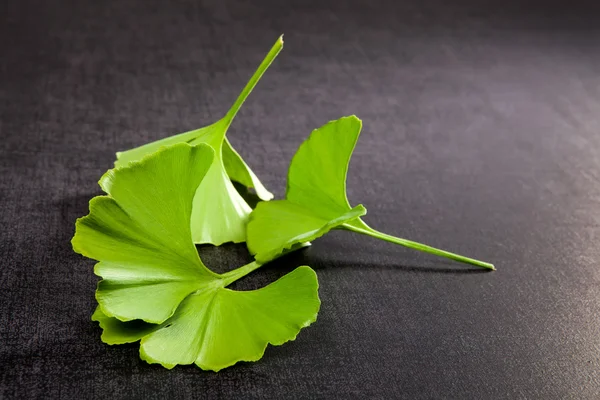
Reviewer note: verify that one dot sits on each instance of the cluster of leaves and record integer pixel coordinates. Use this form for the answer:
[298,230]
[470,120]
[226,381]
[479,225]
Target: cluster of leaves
[164,197]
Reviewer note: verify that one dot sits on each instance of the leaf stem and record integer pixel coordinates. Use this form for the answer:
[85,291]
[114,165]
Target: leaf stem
[232,276]
[419,246]
[264,65]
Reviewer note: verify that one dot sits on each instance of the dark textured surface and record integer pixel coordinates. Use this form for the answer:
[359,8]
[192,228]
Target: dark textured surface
[482,136]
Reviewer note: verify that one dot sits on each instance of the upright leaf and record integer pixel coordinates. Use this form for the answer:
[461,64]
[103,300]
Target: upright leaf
[316,199]
[317,173]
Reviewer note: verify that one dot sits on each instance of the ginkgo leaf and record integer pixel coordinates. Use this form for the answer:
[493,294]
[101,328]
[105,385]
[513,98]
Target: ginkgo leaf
[154,286]
[140,234]
[316,199]
[224,218]
[217,328]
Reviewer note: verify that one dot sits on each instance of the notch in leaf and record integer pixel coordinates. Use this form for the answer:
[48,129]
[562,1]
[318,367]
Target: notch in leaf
[220,214]
[316,199]
[154,286]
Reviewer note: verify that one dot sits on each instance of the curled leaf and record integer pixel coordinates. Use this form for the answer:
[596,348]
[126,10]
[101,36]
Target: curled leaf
[220,214]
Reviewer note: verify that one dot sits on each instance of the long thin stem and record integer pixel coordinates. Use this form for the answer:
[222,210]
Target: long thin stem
[264,65]
[232,276]
[419,246]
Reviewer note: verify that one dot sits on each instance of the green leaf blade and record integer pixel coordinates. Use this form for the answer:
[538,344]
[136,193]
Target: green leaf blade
[141,234]
[317,173]
[316,199]
[217,328]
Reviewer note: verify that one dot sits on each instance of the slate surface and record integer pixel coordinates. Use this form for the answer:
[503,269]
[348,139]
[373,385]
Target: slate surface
[481,136]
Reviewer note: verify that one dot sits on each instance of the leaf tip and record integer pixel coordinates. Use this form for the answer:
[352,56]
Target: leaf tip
[353,119]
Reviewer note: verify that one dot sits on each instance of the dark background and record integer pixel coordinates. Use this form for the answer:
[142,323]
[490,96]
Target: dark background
[481,135]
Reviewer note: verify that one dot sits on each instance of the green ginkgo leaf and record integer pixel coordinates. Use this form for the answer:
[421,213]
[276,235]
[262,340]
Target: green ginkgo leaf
[155,287]
[220,214]
[218,327]
[140,234]
[316,199]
